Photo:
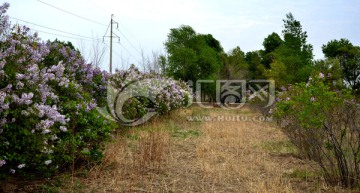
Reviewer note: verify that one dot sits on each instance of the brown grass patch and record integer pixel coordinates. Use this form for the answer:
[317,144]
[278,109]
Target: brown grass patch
[176,155]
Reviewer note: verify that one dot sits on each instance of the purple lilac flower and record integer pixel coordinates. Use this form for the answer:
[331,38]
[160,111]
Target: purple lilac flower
[2,64]
[2,97]
[5,23]
[63,128]
[52,113]
[45,124]
[5,106]
[321,75]
[19,76]
[26,98]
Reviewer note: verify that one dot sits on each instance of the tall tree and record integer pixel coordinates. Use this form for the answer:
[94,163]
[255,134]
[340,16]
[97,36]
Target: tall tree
[212,42]
[234,65]
[192,56]
[349,59]
[256,68]
[296,39]
[294,55]
[271,43]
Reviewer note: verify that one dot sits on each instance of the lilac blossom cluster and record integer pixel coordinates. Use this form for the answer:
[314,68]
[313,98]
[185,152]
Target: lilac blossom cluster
[165,93]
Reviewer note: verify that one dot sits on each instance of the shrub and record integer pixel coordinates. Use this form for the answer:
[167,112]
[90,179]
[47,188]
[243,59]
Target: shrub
[324,124]
[48,96]
[134,94]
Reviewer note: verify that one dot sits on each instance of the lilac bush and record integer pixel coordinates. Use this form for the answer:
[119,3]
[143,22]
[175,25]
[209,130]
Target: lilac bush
[323,122]
[48,100]
[147,91]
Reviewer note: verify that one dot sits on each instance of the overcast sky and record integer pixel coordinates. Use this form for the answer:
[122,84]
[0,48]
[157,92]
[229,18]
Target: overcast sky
[145,24]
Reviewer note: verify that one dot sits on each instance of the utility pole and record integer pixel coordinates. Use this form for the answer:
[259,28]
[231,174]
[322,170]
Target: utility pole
[111,35]
[111,39]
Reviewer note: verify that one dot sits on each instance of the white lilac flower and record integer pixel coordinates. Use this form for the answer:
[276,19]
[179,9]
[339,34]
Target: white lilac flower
[271,111]
[54,137]
[3,121]
[2,162]
[12,171]
[46,131]
[312,99]
[25,113]
[19,85]
[47,151]
[47,162]
[321,75]
[21,166]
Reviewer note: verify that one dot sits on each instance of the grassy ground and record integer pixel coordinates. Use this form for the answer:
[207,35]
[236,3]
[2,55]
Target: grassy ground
[229,151]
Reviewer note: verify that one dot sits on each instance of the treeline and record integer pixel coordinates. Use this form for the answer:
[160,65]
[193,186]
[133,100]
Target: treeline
[286,58]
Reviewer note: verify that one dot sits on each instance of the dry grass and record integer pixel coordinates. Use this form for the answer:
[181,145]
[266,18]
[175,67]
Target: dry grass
[175,155]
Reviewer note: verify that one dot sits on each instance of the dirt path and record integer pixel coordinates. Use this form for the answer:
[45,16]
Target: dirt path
[229,151]
[236,154]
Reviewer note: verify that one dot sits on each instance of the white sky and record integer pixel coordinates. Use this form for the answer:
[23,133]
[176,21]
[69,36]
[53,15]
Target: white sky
[144,25]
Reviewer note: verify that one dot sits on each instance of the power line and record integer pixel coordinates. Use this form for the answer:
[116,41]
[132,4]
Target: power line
[106,30]
[68,12]
[124,27]
[132,45]
[129,53]
[78,37]
[51,28]
[60,35]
